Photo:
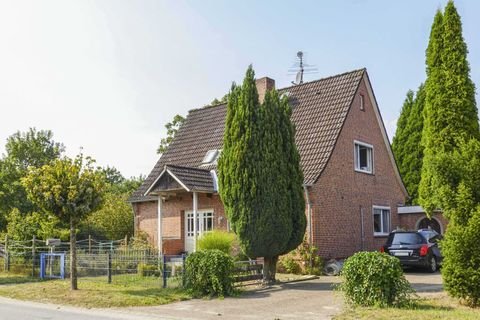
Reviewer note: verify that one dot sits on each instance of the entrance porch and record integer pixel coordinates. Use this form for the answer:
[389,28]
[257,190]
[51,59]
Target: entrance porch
[188,206]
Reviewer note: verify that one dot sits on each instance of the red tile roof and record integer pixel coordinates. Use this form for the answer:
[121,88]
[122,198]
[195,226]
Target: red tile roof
[319,109]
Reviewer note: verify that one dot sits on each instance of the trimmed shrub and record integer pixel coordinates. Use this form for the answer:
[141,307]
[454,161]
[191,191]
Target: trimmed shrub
[461,263]
[209,273]
[217,239]
[374,279]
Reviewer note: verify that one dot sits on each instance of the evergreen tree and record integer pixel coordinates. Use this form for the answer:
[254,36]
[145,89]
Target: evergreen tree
[451,167]
[433,103]
[450,109]
[260,180]
[407,145]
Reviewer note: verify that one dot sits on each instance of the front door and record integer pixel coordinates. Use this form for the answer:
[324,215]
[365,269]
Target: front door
[204,224]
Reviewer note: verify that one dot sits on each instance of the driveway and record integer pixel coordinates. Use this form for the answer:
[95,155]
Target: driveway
[313,299]
[425,283]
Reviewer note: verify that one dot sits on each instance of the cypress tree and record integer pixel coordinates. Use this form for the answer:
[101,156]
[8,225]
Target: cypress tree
[450,109]
[451,168]
[432,111]
[259,174]
[407,145]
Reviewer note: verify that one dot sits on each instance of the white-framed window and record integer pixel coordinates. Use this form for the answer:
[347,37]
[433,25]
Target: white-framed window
[363,157]
[204,222]
[381,220]
[362,102]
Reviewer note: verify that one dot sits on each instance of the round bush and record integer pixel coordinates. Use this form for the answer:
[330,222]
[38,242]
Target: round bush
[209,273]
[374,279]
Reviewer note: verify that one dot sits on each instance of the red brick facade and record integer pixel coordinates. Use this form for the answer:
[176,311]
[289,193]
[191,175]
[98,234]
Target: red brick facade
[342,196]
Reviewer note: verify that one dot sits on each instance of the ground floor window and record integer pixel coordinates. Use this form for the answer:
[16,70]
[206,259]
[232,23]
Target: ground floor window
[381,220]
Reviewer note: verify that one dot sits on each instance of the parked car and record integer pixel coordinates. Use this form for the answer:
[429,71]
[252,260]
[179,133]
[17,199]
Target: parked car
[415,248]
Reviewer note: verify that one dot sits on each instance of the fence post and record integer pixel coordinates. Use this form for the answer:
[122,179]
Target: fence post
[89,244]
[7,255]
[109,267]
[183,269]
[33,256]
[164,273]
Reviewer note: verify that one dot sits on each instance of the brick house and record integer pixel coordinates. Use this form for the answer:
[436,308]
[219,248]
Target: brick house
[352,186]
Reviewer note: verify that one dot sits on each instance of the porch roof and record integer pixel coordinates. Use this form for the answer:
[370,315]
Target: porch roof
[190,179]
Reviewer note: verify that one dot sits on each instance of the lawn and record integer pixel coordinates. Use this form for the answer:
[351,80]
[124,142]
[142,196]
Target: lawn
[125,291]
[438,307]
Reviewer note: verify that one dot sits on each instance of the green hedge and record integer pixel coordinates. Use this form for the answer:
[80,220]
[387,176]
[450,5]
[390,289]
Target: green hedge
[209,273]
[375,279]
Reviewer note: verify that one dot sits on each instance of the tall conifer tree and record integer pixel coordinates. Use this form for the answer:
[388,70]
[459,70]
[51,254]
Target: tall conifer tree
[407,145]
[260,180]
[450,110]
[451,168]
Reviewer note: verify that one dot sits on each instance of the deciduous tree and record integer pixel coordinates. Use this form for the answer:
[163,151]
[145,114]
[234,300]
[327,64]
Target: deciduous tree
[33,148]
[172,128]
[71,190]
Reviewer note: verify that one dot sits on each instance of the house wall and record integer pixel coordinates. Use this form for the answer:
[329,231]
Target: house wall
[173,222]
[341,193]
[409,221]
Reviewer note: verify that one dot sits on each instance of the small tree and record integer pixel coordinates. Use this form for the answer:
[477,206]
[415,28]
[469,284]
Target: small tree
[260,180]
[70,189]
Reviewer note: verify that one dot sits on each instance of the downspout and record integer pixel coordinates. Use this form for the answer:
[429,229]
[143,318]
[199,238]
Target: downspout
[159,227]
[195,223]
[362,230]
[134,220]
[309,214]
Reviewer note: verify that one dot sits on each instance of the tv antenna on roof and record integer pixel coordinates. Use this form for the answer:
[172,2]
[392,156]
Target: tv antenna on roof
[300,68]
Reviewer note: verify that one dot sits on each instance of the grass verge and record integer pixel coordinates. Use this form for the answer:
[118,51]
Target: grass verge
[125,291]
[438,307]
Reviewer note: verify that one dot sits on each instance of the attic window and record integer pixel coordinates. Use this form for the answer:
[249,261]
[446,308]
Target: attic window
[211,156]
[362,102]
[363,157]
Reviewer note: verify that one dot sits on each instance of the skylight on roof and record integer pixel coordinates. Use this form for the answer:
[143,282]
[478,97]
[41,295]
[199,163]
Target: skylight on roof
[211,156]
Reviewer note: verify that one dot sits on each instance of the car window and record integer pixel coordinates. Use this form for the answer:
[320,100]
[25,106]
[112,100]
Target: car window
[435,238]
[431,236]
[406,239]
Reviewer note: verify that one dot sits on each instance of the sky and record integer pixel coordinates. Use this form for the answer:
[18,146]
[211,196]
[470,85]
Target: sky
[107,75]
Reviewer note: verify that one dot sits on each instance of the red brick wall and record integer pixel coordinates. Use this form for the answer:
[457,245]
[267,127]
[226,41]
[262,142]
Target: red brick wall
[173,222]
[341,193]
[409,221]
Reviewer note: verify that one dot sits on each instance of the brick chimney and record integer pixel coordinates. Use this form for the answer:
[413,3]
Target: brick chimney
[263,85]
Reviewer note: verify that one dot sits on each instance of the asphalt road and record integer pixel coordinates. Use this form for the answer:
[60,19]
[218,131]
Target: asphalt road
[23,310]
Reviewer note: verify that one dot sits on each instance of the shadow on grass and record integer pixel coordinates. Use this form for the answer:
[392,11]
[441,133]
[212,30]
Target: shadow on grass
[420,305]
[174,294]
[6,279]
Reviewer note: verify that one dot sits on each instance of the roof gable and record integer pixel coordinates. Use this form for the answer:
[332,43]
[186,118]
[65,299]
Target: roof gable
[319,109]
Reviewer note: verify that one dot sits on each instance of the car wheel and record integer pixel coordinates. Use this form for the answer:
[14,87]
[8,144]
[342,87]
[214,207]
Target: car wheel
[432,264]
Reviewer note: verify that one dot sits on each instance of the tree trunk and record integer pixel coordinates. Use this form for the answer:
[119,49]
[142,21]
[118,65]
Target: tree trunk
[73,256]
[269,269]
